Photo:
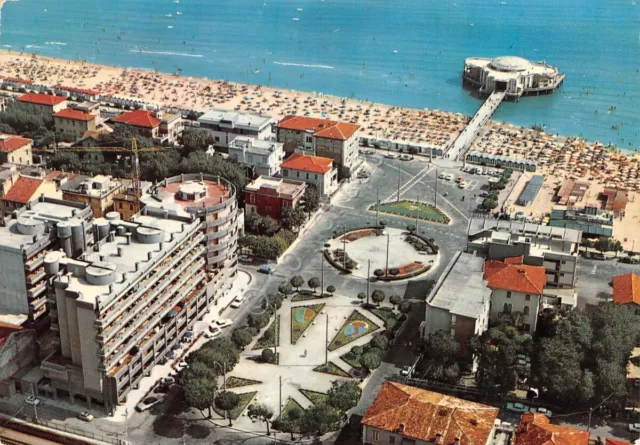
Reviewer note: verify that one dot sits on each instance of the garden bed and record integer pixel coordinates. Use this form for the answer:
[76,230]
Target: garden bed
[245,400]
[266,340]
[355,235]
[337,264]
[413,210]
[332,369]
[291,404]
[306,296]
[421,244]
[315,397]
[356,326]
[301,319]
[351,359]
[387,315]
[406,271]
[237,382]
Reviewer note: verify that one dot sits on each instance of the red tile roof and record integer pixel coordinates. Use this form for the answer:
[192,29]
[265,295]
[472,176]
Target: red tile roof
[626,288]
[535,429]
[515,277]
[10,143]
[138,118]
[313,164]
[41,99]
[23,190]
[6,329]
[72,113]
[322,128]
[514,260]
[616,442]
[422,414]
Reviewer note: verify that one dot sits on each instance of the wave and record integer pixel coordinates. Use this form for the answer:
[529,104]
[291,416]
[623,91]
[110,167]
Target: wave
[165,53]
[324,67]
[34,46]
[56,43]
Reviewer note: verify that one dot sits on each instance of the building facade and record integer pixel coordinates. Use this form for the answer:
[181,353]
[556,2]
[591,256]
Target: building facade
[42,103]
[73,124]
[140,121]
[262,157]
[18,351]
[171,127]
[224,126]
[267,196]
[24,190]
[16,150]
[313,170]
[26,236]
[320,137]
[98,192]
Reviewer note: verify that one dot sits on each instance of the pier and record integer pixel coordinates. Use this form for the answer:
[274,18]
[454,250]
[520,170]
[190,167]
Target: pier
[462,143]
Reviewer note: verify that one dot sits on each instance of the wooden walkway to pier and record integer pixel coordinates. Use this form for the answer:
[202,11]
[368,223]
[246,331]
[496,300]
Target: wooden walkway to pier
[462,143]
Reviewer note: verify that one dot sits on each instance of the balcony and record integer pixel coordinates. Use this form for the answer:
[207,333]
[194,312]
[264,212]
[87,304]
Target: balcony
[37,290]
[218,234]
[218,222]
[36,276]
[34,262]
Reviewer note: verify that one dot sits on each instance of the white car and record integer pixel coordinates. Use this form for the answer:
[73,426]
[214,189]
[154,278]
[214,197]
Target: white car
[449,177]
[86,416]
[212,332]
[245,258]
[462,185]
[390,156]
[223,323]
[406,371]
[149,403]
[634,427]
[30,400]
[542,410]
[182,365]
[166,381]
[237,302]
[442,175]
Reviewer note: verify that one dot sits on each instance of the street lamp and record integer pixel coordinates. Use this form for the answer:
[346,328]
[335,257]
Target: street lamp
[591,410]
[326,339]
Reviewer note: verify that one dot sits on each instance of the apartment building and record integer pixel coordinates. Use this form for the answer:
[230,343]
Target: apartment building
[26,189]
[16,150]
[211,199]
[262,157]
[71,124]
[171,127]
[537,429]
[140,121]
[403,414]
[30,232]
[554,248]
[42,103]
[224,126]
[120,307]
[320,137]
[313,170]
[268,196]
[98,191]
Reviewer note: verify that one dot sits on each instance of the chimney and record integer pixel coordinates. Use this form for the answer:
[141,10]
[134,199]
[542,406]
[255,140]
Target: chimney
[401,429]
[456,441]
[438,438]
[110,288]
[149,255]
[128,236]
[120,251]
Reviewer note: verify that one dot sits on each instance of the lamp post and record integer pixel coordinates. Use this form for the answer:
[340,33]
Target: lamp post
[386,270]
[399,172]
[326,338]
[591,410]
[344,247]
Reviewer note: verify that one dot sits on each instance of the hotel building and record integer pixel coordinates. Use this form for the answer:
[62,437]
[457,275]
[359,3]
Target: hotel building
[224,126]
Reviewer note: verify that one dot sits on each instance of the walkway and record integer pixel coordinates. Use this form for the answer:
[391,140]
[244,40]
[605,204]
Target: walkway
[466,137]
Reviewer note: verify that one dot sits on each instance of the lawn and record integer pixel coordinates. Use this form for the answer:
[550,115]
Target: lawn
[305,296]
[314,396]
[387,315]
[301,318]
[291,403]
[236,382]
[245,400]
[266,341]
[331,368]
[356,326]
[413,210]
[351,359]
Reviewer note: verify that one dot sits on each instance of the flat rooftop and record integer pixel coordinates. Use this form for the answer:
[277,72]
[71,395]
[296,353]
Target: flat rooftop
[136,252]
[174,196]
[510,67]
[461,289]
[280,185]
[235,119]
[255,146]
[479,225]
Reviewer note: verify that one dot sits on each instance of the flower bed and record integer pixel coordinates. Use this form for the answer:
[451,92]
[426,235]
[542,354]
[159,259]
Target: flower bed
[237,382]
[356,326]
[317,398]
[413,210]
[387,315]
[357,234]
[266,340]
[245,400]
[331,368]
[406,271]
[301,318]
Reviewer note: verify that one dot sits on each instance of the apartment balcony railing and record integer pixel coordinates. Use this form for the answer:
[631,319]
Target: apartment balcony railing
[220,221]
[34,262]
[37,290]
[36,276]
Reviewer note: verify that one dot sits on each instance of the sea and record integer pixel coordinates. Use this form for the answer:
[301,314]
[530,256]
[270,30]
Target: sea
[399,52]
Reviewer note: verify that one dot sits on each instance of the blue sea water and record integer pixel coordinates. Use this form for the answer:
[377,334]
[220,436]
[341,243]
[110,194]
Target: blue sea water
[400,52]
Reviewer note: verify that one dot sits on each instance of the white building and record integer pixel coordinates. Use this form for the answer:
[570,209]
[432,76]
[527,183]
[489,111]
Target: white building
[514,75]
[312,170]
[225,126]
[262,156]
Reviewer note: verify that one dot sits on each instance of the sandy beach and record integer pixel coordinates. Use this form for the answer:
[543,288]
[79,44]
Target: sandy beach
[558,157]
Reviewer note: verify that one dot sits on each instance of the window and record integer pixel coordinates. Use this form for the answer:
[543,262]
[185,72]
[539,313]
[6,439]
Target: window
[392,439]
[375,435]
[526,310]
[252,198]
[507,308]
[130,206]
[508,294]
[527,297]
[315,177]
[563,262]
[297,174]
[309,139]
[285,173]
[307,176]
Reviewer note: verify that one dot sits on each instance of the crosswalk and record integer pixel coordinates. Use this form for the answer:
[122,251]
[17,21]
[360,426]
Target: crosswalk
[409,184]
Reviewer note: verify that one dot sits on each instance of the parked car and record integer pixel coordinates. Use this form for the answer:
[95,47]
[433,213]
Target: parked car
[405,157]
[483,194]
[390,156]
[459,179]
[363,174]
[182,365]
[245,258]
[462,185]
[213,331]
[223,323]
[442,175]
[266,268]
[598,256]
[541,410]
[188,337]
[634,427]
[406,371]
[449,177]
[517,407]
[149,403]
[170,355]
[86,416]
[166,381]
[31,400]
[237,302]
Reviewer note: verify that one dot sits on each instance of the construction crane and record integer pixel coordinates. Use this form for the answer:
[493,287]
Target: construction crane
[136,187]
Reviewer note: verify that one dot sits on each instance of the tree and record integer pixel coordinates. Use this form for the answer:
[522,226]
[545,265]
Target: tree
[155,166]
[314,283]
[258,321]
[320,419]
[252,222]
[411,228]
[395,300]
[241,337]
[290,422]
[377,296]
[200,393]
[344,173]
[441,347]
[268,356]
[268,226]
[380,342]
[378,273]
[218,353]
[285,289]
[310,201]
[343,395]
[558,368]
[412,151]
[261,412]
[405,307]
[362,295]
[297,281]
[489,204]
[227,400]
[194,140]
[198,371]
[331,289]
[272,303]
[611,382]
[371,361]
[292,218]
[615,333]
